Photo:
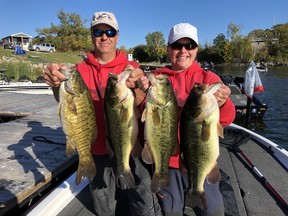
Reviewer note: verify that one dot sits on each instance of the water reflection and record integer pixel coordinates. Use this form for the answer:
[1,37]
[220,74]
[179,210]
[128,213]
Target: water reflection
[275,122]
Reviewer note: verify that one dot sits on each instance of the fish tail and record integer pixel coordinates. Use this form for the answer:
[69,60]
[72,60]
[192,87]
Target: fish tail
[195,198]
[85,169]
[158,183]
[126,181]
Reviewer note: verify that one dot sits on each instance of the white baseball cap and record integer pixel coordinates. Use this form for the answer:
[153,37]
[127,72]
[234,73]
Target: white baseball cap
[107,18]
[183,30]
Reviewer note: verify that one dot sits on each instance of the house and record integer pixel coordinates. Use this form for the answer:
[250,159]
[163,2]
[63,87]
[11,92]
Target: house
[260,44]
[18,39]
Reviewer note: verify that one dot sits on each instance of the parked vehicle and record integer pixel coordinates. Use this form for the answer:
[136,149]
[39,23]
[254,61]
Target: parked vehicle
[43,47]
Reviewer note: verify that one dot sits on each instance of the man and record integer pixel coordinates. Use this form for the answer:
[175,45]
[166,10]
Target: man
[107,198]
[183,73]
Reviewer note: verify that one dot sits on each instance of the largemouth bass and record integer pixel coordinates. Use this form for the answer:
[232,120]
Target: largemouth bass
[199,131]
[78,121]
[161,128]
[122,125]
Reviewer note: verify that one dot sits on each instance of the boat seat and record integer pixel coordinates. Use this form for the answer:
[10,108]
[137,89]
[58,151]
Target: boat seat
[234,89]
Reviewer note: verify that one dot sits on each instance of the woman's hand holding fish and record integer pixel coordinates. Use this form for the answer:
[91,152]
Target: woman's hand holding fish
[222,94]
[53,76]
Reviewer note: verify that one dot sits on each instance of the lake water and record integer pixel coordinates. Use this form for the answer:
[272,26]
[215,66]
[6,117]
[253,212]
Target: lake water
[274,124]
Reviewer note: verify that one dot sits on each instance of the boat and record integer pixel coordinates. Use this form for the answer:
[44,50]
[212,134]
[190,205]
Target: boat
[261,67]
[254,180]
[257,109]
[22,83]
[239,98]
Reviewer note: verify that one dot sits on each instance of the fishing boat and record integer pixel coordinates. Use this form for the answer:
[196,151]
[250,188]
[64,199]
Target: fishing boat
[22,83]
[254,180]
[239,98]
[261,67]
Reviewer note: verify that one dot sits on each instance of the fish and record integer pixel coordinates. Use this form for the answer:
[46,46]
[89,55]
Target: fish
[78,121]
[122,126]
[160,129]
[199,140]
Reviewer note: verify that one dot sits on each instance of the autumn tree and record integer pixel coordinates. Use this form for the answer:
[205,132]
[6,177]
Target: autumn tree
[156,45]
[69,35]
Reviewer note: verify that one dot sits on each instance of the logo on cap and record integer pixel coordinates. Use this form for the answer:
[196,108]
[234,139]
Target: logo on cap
[103,16]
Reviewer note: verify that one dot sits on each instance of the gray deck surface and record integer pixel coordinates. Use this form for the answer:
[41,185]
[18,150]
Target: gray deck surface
[255,199]
[27,165]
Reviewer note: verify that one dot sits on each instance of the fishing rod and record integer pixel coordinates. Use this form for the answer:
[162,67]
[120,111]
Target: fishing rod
[261,177]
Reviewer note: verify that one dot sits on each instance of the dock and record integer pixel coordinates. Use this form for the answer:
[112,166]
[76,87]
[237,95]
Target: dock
[32,146]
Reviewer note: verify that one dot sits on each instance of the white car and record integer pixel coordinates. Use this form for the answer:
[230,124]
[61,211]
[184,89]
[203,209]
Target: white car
[43,47]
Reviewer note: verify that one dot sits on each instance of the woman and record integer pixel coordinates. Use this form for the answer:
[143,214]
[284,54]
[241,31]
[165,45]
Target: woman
[183,73]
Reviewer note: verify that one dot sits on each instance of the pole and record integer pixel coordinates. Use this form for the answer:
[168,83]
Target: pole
[248,110]
[262,178]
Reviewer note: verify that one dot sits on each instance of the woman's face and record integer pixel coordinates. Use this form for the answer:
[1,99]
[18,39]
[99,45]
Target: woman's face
[182,53]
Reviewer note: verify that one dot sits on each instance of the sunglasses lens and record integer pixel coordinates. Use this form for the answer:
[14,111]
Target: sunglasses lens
[111,33]
[179,46]
[99,33]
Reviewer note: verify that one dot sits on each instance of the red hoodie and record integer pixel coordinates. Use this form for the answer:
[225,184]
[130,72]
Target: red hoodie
[95,77]
[182,83]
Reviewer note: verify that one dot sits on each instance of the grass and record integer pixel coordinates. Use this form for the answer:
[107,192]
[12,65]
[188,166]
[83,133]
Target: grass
[40,57]
[21,66]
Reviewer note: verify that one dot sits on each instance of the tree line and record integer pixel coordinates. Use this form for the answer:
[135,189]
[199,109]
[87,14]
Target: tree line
[72,35]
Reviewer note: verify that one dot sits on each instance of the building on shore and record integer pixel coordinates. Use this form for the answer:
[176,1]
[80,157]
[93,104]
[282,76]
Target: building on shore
[19,39]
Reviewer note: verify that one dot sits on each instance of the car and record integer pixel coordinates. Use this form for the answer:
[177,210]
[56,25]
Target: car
[42,47]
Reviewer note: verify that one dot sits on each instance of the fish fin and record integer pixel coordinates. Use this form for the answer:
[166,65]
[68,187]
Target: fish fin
[70,148]
[146,155]
[126,181]
[86,168]
[73,107]
[143,117]
[137,150]
[59,109]
[206,111]
[214,176]
[205,131]
[220,130]
[124,114]
[195,198]
[213,88]
[159,182]
[155,116]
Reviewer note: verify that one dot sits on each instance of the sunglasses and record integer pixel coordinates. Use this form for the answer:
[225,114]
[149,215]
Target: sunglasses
[99,33]
[187,46]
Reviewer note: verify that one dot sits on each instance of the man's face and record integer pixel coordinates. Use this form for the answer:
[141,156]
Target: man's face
[104,44]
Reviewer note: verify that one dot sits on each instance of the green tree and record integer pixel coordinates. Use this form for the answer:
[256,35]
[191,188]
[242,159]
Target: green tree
[280,41]
[140,53]
[156,45]
[227,52]
[233,32]
[218,47]
[240,47]
[69,35]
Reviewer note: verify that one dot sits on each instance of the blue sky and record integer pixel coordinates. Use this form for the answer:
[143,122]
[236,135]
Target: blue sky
[137,18]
